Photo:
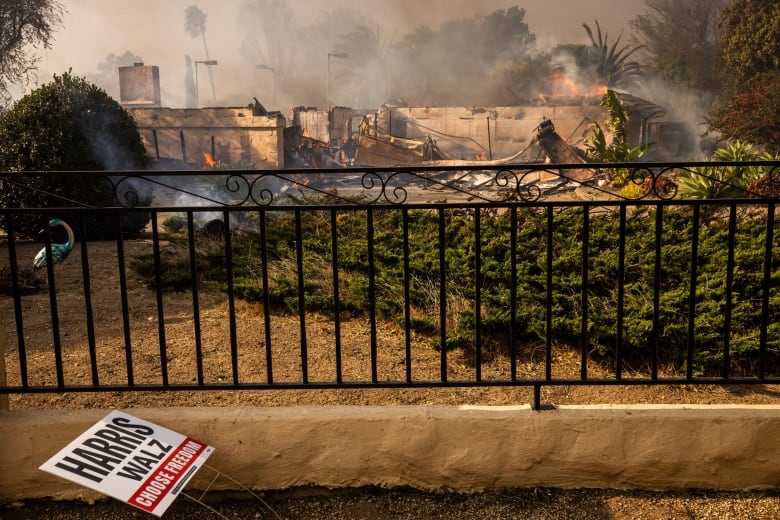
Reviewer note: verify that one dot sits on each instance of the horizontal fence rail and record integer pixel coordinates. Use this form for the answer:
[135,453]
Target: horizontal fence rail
[655,273]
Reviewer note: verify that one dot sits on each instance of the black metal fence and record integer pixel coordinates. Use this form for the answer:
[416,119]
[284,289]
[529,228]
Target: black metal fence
[626,265]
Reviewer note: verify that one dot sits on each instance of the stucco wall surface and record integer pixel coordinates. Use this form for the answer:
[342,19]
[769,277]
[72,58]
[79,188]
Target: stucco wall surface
[434,447]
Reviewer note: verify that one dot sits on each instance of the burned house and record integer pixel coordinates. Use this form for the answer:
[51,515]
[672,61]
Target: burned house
[248,136]
[393,135]
[490,133]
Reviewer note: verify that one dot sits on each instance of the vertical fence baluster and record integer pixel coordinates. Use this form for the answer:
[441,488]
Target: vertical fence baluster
[621,282]
[89,316]
[513,293]
[159,295]
[120,251]
[584,341]
[55,317]
[334,252]
[228,239]
[549,297]
[18,314]
[692,292]
[407,296]
[656,340]
[726,369]
[372,292]
[477,295]
[266,297]
[766,286]
[443,292]
[195,297]
[301,296]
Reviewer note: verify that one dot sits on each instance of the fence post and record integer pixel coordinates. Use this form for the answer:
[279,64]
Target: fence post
[3,381]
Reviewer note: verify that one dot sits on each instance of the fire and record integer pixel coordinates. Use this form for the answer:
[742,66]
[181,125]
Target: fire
[208,160]
[563,86]
[599,90]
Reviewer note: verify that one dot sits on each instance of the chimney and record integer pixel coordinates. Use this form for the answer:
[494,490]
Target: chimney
[139,85]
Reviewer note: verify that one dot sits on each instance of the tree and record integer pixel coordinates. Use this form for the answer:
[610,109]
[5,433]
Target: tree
[609,64]
[619,149]
[749,112]
[24,24]
[747,108]
[195,24]
[452,65]
[106,75]
[368,68]
[67,125]
[267,26]
[679,41]
[750,36]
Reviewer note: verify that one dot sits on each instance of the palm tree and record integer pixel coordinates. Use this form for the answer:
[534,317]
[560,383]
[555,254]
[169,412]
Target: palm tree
[368,51]
[611,64]
[195,24]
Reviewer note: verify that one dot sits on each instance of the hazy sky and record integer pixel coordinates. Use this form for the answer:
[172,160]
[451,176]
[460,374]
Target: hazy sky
[154,30]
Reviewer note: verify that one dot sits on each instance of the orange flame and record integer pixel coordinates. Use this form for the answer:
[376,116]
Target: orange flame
[563,85]
[208,160]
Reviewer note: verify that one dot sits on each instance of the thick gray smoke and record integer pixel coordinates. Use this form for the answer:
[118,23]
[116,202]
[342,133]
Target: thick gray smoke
[292,40]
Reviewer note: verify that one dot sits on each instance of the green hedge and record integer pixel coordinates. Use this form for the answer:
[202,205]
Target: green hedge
[530,256]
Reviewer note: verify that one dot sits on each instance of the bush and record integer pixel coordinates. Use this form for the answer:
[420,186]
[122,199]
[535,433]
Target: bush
[68,125]
[530,261]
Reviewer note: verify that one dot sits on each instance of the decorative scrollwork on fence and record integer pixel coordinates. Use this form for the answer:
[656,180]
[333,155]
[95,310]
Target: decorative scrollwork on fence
[511,183]
[653,183]
[520,189]
[374,181]
[128,193]
[239,187]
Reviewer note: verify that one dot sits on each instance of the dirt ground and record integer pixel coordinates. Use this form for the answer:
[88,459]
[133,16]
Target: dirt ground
[145,332]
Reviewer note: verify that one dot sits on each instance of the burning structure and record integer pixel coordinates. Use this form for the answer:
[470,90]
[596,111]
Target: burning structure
[231,136]
[249,136]
[393,135]
[490,133]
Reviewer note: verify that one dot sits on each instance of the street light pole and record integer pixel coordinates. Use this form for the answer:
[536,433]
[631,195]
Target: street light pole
[204,62]
[273,80]
[340,55]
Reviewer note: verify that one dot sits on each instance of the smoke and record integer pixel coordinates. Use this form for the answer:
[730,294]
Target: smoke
[294,37]
[687,106]
[357,53]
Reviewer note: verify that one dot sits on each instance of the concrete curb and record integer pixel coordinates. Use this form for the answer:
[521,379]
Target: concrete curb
[466,448]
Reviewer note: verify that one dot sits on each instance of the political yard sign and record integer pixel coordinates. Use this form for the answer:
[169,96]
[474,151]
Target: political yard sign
[131,460]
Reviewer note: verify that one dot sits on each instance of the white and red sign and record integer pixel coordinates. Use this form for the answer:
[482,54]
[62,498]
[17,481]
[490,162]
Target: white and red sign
[131,460]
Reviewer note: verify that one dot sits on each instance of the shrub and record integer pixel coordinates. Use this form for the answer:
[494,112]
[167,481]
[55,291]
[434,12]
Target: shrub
[68,125]
[711,182]
[641,328]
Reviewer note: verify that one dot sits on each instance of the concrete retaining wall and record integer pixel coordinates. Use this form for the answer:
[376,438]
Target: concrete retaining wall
[434,447]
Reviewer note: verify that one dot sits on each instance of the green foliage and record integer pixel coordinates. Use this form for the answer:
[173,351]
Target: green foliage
[610,64]
[618,150]
[24,25]
[748,110]
[747,107]
[360,282]
[461,54]
[68,125]
[751,38]
[711,182]
[679,42]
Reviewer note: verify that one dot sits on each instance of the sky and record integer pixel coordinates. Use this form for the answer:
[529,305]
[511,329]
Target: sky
[155,31]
